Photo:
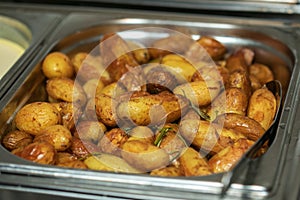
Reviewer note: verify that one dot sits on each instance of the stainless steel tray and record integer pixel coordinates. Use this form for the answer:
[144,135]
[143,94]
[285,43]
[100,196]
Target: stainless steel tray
[275,44]
[30,29]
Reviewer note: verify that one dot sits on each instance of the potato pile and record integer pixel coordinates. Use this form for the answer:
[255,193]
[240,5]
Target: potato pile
[167,110]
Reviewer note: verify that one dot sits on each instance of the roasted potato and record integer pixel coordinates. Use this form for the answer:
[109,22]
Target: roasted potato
[91,131]
[105,109]
[57,65]
[66,89]
[240,79]
[167,171]
[240,60]
[107,162]
[34,117]
[16,139]
[228,157]
[57,135]
[78,59]
[140,53]
[243,124]
[262,107]
[39,152]
[82,149]
[262,72]
[92,87]
[193,164]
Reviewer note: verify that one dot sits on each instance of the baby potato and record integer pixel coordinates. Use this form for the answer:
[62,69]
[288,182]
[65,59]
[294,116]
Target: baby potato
[57,65]
[112,141]
[66,90]
[255,84]
[39,152]
[57,135]
[200,93]
[78,59]
[16,139]
[193,164]
[142,133]
[240,60]
[107,162]
[34,117]
[105,110]
[262,72]
[140,53]
[143,155]
[91,131]
[240,79]
[154,109]
[207,136]
[228,157]
[64,157]
[262,107]
[92,87]
[167,171]
[82,149]
[243,124]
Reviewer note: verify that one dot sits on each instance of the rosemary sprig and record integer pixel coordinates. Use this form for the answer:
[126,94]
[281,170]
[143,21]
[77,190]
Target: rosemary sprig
[162,134]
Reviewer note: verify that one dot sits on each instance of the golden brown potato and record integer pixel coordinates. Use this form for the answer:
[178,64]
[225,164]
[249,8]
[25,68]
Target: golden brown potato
[57,65]
[34,117]
[140,53]
[169,139]
[240,79]
[16,139]
[143,155]
[78,59]
[107,162]
[39,152]
[117,57]
[255,84]
[262,72]
[105,109]
[91,131]
[66,90]
[92,86]
[193,164]
[243,124]
[77,164]
[142,133]
[167,171]
[262,107]
[240,60]
[207,136]
[200,93]
[215,49]
[154,109]
[57,135]
[228,157]
[83,149]
[112,141]
[64,157]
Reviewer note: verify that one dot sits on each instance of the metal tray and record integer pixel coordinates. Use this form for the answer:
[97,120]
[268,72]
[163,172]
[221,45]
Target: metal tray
[274,44]
[28,29]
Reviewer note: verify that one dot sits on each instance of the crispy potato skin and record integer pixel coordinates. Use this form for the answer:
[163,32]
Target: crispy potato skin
[34,117]
[57,135]
[262,107]
[57,65]
[243,124]
[227,158]
[193,164]
[39,152]
[236,101]
[16,139]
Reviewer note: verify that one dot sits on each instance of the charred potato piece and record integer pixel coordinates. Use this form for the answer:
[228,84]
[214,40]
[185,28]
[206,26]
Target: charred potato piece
[34,117]
[39,152]
[262,107]
[57,135]
[66,90]
[243,124]
[262,72]
[57,65]
[228,157]
[193,164]
[112,141]
[16,139]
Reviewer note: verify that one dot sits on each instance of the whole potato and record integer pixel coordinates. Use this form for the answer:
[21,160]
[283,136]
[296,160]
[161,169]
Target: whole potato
[243,124]
[39,152]
[57,65]
[91,131]
[262,72]
[16,139]
[200,93]
[140,53]
[82,149]
[107,162]
[228,157]
[143,155]
[66,89]
[105,110]
[34,117]
[78,59]
[142,133]
[193,164]
[92,87]
[262,107]
[240,79]
[57,135]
